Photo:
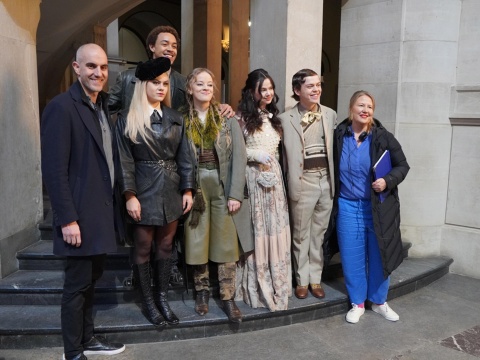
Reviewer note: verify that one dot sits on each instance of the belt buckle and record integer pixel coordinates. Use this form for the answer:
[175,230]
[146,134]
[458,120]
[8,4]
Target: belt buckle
[208,166]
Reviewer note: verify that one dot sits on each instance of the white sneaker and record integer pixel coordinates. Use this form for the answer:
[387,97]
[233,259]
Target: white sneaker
[354,314]
[386,311]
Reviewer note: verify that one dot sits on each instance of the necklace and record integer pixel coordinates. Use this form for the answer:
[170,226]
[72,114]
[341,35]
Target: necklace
[266,113]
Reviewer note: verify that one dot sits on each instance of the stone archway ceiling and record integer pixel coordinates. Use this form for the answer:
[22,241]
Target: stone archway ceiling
[63,26]
[142,22]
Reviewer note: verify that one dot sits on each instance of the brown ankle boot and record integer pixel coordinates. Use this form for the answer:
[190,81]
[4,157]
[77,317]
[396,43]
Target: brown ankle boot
[201,302]
[232,311]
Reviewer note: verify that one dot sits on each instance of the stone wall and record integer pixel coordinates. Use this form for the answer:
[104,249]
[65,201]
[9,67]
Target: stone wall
[20,176]
[461,237]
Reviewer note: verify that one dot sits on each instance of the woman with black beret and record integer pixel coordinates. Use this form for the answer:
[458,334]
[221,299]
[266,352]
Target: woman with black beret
[156,179]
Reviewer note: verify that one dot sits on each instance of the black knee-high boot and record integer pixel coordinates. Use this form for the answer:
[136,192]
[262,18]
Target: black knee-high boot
[149,309]
[162,275]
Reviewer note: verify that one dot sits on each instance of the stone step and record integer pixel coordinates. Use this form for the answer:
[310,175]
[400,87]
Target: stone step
[45,287]
[33,326]
[39,256]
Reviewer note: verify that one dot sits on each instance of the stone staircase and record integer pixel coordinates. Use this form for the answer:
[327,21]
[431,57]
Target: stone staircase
[30,301]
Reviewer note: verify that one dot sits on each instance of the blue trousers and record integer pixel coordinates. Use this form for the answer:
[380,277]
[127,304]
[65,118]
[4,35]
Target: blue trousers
[359,252]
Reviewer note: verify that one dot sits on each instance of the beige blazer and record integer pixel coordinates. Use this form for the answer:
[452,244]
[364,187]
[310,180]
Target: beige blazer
[294,148]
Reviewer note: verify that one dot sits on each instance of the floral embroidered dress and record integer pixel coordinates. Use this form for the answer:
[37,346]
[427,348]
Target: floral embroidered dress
[264,277]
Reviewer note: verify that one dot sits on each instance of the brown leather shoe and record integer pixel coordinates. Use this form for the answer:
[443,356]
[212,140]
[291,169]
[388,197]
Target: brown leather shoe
[317,291]
[232,311]
[301,292]
[201,302]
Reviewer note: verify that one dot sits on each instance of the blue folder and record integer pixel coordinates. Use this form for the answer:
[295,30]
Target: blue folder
[381,168]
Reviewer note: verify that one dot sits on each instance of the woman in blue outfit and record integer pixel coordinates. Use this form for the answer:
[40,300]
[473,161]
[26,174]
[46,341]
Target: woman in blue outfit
[368,229]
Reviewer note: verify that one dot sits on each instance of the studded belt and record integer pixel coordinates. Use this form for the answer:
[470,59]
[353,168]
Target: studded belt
[166,164]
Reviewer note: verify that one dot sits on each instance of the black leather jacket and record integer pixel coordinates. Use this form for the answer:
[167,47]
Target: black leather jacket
[121,93]
[158,187]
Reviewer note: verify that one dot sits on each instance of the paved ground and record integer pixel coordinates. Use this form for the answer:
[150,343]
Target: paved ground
[446,308]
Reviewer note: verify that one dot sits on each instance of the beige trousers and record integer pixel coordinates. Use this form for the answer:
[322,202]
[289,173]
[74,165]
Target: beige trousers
[310,217]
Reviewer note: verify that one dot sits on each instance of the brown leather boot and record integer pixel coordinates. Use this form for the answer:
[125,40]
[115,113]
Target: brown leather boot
[201,302]
[232,311]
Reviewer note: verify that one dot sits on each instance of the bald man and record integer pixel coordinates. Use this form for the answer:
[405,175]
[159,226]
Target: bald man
[78,157]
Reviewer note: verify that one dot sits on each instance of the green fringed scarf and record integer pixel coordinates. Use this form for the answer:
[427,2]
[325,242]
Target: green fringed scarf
[204,136]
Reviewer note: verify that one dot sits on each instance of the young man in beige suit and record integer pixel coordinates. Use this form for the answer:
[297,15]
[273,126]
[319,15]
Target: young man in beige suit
[308,148]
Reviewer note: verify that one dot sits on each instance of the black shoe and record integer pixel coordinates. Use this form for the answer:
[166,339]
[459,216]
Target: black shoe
[100,346]
[76,357]
[232,311]
[201,302]
[176,277]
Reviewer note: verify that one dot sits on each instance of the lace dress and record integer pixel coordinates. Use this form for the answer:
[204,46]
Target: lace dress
[264,276]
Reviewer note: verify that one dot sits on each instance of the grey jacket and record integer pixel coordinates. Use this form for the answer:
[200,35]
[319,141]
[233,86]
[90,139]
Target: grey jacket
[294,146]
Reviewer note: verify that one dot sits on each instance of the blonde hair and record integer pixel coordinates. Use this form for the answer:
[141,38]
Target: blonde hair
[213,107]
[191,78]
[354,99]
[138,125]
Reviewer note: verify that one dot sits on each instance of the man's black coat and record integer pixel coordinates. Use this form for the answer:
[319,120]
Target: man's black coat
[76,174]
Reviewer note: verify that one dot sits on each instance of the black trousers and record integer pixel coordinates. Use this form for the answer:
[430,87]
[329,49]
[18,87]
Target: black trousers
[81,273]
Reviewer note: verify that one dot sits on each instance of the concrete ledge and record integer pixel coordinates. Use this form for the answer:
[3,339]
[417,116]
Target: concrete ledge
[9,247]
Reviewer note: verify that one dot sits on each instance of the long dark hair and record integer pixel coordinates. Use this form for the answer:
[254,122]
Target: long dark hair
[249,107]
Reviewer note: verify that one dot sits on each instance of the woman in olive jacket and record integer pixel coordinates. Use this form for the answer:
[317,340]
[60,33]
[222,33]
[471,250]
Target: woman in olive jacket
[368,229]
[213,226]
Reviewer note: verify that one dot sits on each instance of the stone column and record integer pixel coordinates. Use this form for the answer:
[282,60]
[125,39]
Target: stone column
[187,36]
[207,38]
[238,48]
[286,36]
[20,174]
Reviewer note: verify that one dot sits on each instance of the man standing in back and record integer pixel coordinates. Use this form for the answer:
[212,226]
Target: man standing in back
[308,148]
[161,41]
[78,157]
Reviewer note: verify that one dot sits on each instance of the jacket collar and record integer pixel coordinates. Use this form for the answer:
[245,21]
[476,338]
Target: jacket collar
[79,95]
[169,117]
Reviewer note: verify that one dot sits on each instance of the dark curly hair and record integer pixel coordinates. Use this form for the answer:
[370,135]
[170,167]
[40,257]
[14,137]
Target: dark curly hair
[153,35]
[248,107]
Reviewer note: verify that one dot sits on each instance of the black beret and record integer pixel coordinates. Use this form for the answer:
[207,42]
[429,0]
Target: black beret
[152,68]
